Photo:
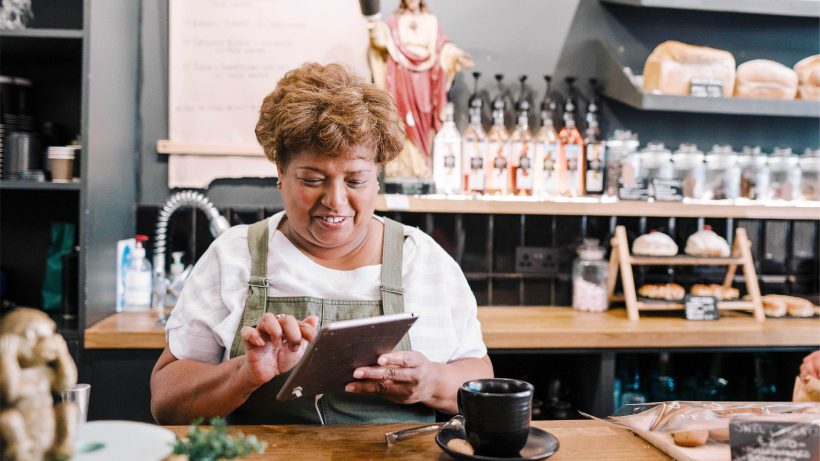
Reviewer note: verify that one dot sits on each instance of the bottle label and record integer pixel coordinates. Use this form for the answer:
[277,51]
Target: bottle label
[522,153]
[546,165]
[499,175]
[595,168]
[474,166]
[573,153]
[138,289]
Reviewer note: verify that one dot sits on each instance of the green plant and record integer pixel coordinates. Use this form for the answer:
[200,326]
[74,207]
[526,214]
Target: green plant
[215,444]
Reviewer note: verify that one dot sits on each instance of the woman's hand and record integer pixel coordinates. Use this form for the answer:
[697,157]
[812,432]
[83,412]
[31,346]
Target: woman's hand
[275,345]
[811,365]
[403,377]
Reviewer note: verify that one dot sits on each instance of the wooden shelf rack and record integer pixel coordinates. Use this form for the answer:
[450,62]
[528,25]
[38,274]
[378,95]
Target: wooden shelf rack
[621,261]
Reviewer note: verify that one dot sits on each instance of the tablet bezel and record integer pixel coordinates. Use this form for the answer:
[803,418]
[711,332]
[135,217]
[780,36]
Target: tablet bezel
[313,375]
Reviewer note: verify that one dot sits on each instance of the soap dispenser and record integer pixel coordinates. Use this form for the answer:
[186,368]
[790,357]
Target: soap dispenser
[138,279]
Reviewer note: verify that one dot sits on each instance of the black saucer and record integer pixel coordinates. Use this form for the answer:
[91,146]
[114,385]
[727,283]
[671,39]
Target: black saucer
[540,445]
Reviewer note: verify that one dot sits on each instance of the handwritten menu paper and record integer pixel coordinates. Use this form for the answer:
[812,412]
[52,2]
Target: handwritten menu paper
[226,55]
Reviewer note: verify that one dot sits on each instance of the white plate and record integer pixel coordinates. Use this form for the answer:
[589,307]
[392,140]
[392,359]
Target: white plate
[122,441]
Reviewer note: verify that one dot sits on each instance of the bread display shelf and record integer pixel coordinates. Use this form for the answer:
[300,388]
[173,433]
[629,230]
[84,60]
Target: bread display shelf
[595,207]
[621,261]
[619,86]
[805,8]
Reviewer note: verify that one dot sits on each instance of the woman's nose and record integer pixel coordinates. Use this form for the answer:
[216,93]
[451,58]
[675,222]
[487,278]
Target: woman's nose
[335,196]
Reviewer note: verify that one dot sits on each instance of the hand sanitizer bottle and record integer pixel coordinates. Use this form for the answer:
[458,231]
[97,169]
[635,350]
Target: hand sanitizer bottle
[138,279]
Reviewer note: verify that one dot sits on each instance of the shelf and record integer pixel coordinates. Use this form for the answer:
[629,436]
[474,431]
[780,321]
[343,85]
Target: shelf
[32,185]
[805,8]
[682,261]
[617,85]
[661,306]
[44,33]
[596,207]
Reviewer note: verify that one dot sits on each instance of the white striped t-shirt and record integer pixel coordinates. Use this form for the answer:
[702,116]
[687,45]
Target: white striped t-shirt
[203,323]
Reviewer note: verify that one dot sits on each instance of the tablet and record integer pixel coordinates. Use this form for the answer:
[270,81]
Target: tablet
[341,347]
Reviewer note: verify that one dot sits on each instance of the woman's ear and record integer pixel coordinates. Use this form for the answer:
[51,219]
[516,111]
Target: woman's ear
[279,175]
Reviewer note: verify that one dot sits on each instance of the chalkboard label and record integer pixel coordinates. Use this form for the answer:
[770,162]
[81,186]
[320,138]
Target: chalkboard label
[640,191]
[701,307]
[758,439]
[667,190]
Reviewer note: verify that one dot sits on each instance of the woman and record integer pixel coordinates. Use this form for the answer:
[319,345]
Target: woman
[257,296]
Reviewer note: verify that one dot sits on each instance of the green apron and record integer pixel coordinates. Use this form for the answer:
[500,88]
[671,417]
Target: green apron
[336,408]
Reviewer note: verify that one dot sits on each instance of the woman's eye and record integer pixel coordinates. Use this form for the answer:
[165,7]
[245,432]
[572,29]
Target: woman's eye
[356,182]
[311,181]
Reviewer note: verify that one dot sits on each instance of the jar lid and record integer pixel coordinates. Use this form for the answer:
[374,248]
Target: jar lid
[688,153]
[590,250]
[752,156]
[810,160]
[782,157]
[724,149]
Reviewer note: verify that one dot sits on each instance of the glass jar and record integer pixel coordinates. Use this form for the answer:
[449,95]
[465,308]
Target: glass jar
[655,161]
[810,174]
[754,173]
[619,148]
[590,278]
[784,175]
[722,174]
[687,163]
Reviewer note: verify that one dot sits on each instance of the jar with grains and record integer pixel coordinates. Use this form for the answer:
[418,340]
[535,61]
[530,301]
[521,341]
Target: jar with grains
[754,173]
[590,278]
[784,174]
[619,148]
[655,161]
[722,174]
[688,166]
[810,174]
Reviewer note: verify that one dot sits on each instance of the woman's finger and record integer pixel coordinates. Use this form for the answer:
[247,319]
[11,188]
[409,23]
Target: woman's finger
[388,373]
[370,387]
[270,326]
[251,336]
[291,331]
[308,330]
[406,359]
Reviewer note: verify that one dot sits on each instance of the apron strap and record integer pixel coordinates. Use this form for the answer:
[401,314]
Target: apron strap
[391,287]
[257,283]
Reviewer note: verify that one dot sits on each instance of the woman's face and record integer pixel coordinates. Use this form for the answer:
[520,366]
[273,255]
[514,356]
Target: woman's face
[329,201]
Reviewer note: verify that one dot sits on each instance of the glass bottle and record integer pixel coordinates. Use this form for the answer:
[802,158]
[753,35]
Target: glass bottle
[810,174]
[784,176]
[548,165]
[654,161]
[688,168]
[138,279]
[595,148]
[522,148]
[571,147]
[722,174]
[498,166]
[474,151]
[590,278]
[621,161]
[754,173]
[447,155]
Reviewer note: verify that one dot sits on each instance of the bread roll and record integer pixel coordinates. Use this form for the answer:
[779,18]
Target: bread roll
[654,244]
[672,65]
[808,75]
[665,291]
[764,79]
[797,307]
[706,243]
[718,291]
[774,307]
[690,438]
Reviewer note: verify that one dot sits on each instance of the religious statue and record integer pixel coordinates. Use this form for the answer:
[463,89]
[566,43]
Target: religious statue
[415,62]
[34,364]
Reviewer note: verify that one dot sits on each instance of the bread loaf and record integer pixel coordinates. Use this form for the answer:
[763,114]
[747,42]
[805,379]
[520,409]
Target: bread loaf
[764,79]
[808,75]
[706,243]
[718,291]
[665,291]
[672,65]
[690,438]
[654,244]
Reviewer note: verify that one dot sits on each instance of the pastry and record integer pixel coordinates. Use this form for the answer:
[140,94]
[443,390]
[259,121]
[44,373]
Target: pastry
[672,65]
[808,74]
[718,291]
[665,291]
[690,438]
[654,244]
[706,243]
[806,389]
[774,307]
[796,307]
[764,79]
[720,435]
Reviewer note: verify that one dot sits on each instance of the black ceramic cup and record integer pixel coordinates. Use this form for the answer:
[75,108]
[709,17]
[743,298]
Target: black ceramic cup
[497,415]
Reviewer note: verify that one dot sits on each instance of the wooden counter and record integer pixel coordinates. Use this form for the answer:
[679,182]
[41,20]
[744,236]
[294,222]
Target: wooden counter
[579,440]
[545,328]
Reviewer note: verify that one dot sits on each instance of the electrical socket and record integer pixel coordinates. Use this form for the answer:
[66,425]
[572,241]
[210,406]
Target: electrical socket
[541,260]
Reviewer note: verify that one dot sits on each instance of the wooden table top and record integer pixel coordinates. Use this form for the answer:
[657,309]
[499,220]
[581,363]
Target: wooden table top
[544,328]
[578,439]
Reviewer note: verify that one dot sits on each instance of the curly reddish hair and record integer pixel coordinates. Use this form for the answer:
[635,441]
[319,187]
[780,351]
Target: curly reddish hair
[328,110]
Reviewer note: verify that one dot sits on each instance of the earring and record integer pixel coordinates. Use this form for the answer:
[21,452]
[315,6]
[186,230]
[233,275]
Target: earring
[278,183]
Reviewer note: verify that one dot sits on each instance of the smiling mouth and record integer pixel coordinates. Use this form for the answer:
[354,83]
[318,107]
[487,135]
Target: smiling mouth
[333,219]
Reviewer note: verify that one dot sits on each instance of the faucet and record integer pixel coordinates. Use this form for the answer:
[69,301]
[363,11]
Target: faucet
[216,223]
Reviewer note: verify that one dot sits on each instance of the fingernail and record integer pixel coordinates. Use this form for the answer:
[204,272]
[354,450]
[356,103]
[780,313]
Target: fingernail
[358,374]
[382,361]
[349,388]
[295,347]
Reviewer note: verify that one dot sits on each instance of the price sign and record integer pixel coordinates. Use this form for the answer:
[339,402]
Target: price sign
[639,191]
[667,190]
[701,307]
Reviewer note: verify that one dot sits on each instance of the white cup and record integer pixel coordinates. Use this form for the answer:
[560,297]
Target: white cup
[79,394]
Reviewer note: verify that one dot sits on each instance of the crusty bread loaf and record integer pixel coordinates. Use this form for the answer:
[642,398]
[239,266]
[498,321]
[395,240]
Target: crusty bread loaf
[665,291]
[808,75]
[672,65]
[654,244]
[764,79]
[718,291]
[690,438]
